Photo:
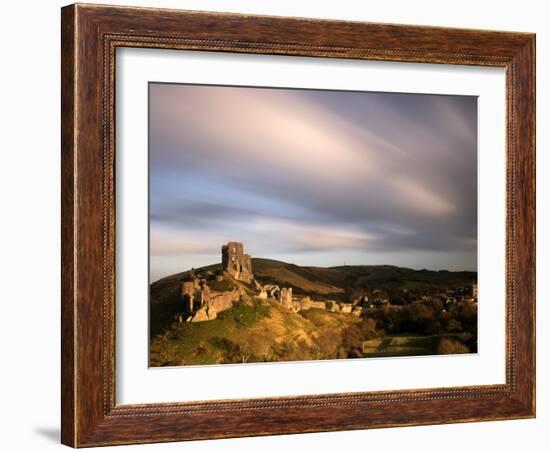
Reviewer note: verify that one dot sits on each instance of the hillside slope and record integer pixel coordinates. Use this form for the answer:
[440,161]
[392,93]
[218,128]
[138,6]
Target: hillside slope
[345,282]
[339,283]
[311,280]
[261,332]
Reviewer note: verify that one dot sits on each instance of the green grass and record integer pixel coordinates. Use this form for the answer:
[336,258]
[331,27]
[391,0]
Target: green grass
[404,345]
[198,343]
[221,286]
[400,346]
[243,315]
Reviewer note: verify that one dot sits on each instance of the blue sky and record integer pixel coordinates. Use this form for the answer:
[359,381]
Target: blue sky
[311,177]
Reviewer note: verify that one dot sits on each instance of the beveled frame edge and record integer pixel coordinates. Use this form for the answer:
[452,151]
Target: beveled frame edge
[90,35]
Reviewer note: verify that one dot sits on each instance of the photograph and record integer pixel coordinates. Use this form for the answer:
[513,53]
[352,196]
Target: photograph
[274,226]
[299,225]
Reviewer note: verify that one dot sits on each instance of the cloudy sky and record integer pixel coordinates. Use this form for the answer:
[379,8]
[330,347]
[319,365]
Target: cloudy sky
[311,177]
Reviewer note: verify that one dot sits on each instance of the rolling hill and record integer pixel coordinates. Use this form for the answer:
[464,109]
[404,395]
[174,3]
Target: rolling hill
[335,281]
[341,283]
[260,332]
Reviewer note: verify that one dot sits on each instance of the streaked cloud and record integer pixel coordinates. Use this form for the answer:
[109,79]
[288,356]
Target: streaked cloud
[296,172]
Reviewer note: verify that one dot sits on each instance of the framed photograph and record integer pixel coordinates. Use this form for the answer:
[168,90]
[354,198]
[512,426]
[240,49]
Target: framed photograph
[282,225]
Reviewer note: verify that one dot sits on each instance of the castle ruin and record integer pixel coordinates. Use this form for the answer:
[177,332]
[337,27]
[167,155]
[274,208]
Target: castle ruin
[285,298]
[188,296]
[202,303]
[236,263]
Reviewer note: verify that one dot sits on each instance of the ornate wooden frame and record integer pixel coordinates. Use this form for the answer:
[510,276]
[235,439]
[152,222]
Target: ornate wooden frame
[90,35]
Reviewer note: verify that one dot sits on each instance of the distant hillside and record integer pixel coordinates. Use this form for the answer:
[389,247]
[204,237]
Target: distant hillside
[382,276]
[311,280]
[344,281]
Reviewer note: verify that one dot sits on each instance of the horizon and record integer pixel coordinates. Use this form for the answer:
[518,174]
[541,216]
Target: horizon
[313,177]
[319,266]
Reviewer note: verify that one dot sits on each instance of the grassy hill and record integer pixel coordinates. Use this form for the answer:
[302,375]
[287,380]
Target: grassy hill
[339,283]
[261,332]
[264,331]
[331,280]
[344,282]
[310,280]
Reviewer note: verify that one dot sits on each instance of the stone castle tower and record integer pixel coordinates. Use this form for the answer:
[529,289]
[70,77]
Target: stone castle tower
[236,263]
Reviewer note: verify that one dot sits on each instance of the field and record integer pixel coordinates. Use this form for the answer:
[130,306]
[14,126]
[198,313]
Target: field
[404,345]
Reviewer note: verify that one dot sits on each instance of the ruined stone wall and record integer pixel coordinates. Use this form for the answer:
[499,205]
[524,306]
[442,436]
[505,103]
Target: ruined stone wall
[214,304]
[305,303]
[286,298]
[318,305]
[236,262]
[225,300]
[272,290]
[188,296]
[345,308]
[187,288]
